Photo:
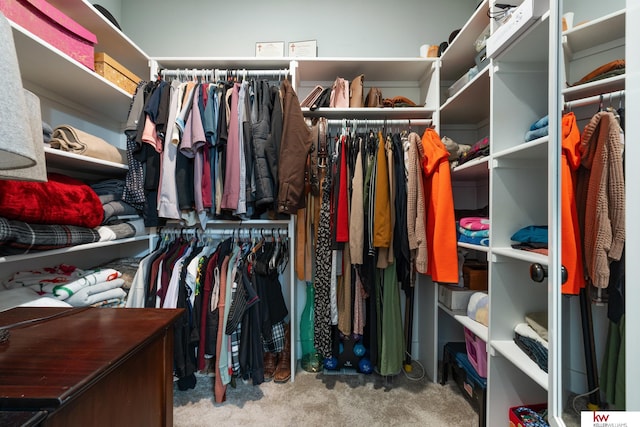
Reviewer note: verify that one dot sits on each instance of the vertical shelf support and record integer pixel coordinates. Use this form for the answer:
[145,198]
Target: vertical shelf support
[556,58]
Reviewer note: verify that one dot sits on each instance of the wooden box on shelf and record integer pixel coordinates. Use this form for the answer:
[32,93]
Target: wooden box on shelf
[117,74]
[475,276]
[54,27]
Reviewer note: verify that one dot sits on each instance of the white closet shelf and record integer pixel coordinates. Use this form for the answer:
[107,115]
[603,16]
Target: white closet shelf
[374,69]
[598,87]
[230,63]
[460,54]
[266,223]
[510,351]
[110,39]
[598,31]
[480,330]
[72,249]
[531,46]
[471,103]
[472,170]
[536,149]
[58,159]
[473,247]
[452,313]
[54,72]
[399,113]
[519,254]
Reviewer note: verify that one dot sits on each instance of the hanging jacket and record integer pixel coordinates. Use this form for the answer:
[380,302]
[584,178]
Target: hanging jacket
[442,246]
[272,145]
[571,241]
[400,235]
[382,231]
[294,149]
[261,126]
[600,196]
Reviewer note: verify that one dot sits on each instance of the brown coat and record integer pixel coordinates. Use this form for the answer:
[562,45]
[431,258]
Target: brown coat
[294,149]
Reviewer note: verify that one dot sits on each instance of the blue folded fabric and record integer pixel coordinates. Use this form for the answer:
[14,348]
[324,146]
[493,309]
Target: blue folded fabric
[536,133]
[473,233]
[540,123]
[532,348]
[532,234]
[482,241]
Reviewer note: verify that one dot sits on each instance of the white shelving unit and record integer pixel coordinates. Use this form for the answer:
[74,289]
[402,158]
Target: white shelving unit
[521,177]
[69,92]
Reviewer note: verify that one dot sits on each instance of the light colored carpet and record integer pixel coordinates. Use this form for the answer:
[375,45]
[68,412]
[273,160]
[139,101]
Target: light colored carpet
[315,399]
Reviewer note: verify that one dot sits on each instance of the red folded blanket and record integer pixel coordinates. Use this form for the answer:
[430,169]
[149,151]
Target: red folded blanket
[62,200]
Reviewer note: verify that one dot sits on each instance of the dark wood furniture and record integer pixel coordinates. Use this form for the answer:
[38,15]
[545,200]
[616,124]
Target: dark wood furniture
[89,366]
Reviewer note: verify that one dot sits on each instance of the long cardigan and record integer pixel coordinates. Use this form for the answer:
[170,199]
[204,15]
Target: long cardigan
[600,196]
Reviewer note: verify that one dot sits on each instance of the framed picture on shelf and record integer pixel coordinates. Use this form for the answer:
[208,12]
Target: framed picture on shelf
[269,49]
[307,49]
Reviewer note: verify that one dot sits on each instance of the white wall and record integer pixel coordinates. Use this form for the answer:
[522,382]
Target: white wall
[375,28]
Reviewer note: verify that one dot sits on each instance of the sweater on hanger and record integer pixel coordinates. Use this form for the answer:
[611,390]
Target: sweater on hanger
[600,196]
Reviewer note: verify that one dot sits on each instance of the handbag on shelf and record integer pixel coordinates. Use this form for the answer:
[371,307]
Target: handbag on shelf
[356,92]
[374,98]
[67,138]
[340,93]
[323,101]
[312,97]
[398,101]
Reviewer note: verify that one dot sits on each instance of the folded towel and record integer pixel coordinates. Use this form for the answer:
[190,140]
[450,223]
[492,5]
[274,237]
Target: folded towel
[96,293]
[473,233]
[93,277]
[73,140]
[538,321]
[475,223]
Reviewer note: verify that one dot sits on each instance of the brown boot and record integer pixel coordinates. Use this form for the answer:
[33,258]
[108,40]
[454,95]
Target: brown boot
[283,370]
[269,361]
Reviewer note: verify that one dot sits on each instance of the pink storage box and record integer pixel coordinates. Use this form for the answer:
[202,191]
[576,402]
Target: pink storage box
[52,26]
[476,352]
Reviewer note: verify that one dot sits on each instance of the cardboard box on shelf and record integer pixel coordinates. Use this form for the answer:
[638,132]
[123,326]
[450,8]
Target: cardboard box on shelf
[453,297]
[116,73]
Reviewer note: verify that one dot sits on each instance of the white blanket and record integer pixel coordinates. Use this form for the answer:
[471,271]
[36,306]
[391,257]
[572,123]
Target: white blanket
[97,293]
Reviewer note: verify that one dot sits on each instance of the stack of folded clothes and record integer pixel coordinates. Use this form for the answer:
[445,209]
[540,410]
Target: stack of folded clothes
[74,286]
[455,150]
[534,238]
[532,338]
[479,149]
[613,68]
[61,212]
[474,230]
[538,129]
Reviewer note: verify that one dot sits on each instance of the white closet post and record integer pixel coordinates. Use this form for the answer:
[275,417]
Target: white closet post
[632,182]
[556,57]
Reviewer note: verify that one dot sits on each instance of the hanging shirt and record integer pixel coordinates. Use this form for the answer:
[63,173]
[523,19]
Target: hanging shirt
[440,218]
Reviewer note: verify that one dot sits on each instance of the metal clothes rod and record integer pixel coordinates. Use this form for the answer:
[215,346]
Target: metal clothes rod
[378,122]
[218,73]
[593,99]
